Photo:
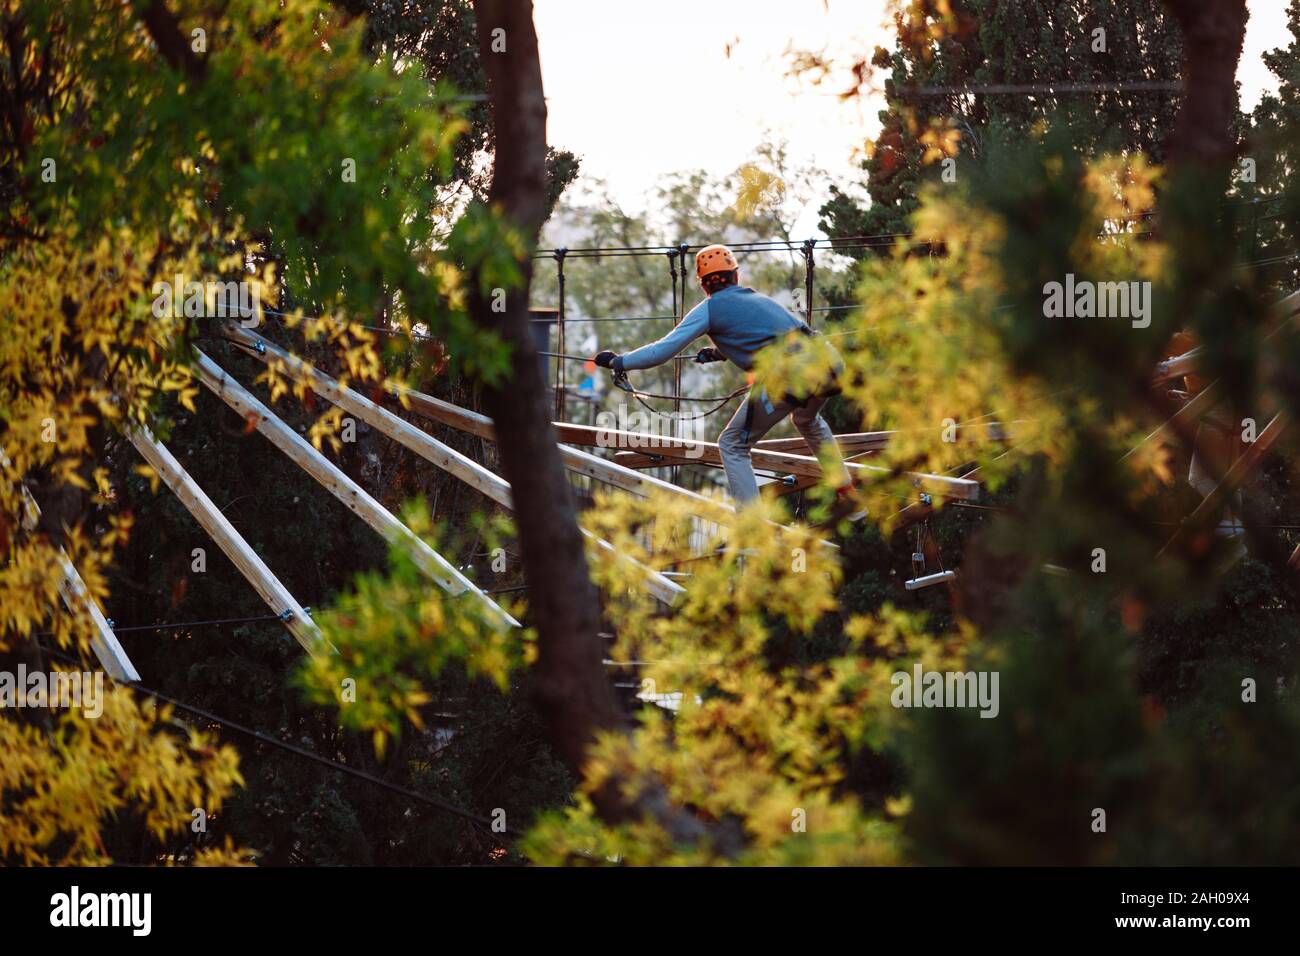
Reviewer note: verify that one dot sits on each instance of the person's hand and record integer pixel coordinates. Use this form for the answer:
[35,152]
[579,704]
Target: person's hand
[605,359]
[708,355]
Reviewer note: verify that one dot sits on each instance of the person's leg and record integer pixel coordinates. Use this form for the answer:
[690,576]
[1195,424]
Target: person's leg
[752,421]
[1216,446]
[818,435]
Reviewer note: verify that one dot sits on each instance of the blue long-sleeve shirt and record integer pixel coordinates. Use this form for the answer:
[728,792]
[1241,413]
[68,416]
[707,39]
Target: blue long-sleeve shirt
[739,320]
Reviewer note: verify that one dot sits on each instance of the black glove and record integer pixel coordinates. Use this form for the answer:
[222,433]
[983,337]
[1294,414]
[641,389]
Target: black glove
[605,359]
[708,355]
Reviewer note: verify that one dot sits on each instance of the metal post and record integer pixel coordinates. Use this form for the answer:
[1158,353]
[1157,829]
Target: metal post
[682,249]
[559,328]
[808,277]
[672,275]
[672,272]
[677,366]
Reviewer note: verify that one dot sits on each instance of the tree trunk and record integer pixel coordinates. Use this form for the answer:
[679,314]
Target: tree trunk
[574,696]
[1213,34]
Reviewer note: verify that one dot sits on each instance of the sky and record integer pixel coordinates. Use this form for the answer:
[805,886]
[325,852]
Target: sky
[640,90]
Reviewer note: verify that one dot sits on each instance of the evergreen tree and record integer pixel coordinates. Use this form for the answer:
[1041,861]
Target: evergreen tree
[946,52]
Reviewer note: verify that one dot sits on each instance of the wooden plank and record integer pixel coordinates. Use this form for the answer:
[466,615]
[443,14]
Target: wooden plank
[703,452]
[1178,365]
[850,443]
[76,597]
[1235,477]
[641,484]
[103,641]
[930,580]
[461,419]
[1201,403]
[632,459]
[779,489]
[859,443]
[434,566]
[230,541]
[422,443]
[681,450]
[575,460]
[584,463]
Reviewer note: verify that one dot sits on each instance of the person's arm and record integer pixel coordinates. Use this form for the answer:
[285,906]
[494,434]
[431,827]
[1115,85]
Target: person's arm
[695,324]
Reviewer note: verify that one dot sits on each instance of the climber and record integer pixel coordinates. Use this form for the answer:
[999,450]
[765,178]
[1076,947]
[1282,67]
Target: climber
[1217,444]
[740,322]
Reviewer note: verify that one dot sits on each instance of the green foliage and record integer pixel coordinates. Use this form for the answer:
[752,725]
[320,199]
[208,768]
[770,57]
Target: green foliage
[1121,690]
[393,632]
[752,742]
[237,168]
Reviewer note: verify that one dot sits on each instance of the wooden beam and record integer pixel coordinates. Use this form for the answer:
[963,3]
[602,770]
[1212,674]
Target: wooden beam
[703,452]
[850,443]
[434,566]
[859,443]
[581,462]
[230,541]
[462,419]
[779,489]
[681,450]
[1282,312]
[638,483]
[1178,365]
[76,597]
[632,459]
[103,641]
[1235,477]
[420,442]
[575,460]
[1202,402]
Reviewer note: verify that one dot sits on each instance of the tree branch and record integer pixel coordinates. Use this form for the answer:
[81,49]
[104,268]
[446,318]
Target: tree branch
[166,32]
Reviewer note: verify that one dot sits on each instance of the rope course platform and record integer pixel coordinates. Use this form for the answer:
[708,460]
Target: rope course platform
[632,453]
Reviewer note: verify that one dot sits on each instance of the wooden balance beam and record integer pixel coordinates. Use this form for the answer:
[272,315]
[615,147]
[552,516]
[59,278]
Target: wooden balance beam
[580,462]
[76,597]
[682,450]
[685,451]
[422,443]
[230,541]
[434,566]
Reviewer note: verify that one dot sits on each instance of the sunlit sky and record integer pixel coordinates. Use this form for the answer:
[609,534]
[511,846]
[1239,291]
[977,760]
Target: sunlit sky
[639,90]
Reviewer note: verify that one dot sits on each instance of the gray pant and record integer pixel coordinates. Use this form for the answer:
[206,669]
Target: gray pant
[752,421]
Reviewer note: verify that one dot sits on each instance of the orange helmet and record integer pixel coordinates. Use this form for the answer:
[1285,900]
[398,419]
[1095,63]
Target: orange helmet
[715,258]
